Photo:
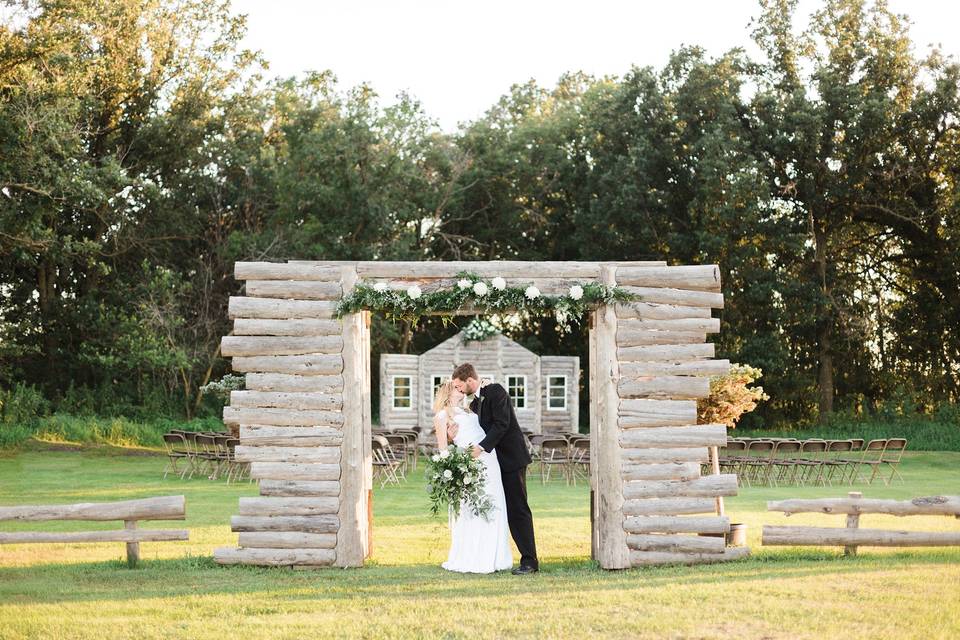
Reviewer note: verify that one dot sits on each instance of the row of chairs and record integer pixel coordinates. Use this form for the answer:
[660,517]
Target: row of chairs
[570,455]
[785,461]
[208,453]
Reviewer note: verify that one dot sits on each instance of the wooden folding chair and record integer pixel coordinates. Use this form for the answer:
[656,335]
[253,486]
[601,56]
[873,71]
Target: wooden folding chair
[891,457]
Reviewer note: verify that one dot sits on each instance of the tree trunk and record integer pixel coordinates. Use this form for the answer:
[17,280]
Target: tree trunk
[824,323]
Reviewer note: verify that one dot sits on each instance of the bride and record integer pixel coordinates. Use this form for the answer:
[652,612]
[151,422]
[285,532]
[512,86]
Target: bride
[476,545]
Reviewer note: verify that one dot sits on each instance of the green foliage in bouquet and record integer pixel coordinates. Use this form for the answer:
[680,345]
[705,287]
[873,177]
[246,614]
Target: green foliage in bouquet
[455,477]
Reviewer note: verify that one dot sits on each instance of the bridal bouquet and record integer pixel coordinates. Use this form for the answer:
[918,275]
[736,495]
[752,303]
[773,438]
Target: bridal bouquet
[454,477]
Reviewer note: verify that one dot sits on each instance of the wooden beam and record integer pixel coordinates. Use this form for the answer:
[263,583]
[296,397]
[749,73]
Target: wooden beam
[286,540]
[635,413]
[293,383]
[286,327]
[286,400]
[280,417]
[689,368]
[275,557]
[926,506]
[231,346]
[696,277]
[661,471]
[675,543]
[304,365]
[711,486]
[667,295]
[666,353]
[677,387]
[288,506]
[294,289]
[832,536]
[292,471]
[309,524]
[159,508]
[265,308]
[284,271]
[651,558]
[119,535]
[677,524]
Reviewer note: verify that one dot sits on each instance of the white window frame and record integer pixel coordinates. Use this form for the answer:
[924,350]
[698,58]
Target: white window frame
[566,381]
[513,400]
[433,386]
[393,392]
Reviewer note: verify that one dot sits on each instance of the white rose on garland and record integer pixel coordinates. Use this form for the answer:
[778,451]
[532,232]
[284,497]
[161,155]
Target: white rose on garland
[532,292]
[380,287]
[414,292]
[480,289]
[576,292]
[463,283]
[499,283]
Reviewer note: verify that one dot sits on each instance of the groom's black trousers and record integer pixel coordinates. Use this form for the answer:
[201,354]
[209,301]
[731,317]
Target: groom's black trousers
[519,516]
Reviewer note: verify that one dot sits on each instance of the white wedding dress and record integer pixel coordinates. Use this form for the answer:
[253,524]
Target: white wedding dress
[478,545]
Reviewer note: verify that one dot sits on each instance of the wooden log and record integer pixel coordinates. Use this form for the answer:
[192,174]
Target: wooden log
[275,557]
[294,289]
[265,308]
[690,368]
[284,271]
[133,547]
[678,387]
[677,524]
[926,506]
[231,346]
[697,277]
[508,269]
[293,383]
[547,286]
[659,456]
[675,543]
[832,536]
[677,325]
[666,353]
[321,455]
[352,538]
[317,364]
[667,506]
[286,540]
[308,524]
[612,551]
[281,417]
[642,412]
[292,471]
[288,506]
[159,508]
[697,435]
[666,295]
[658,311]
[119,535]
[652,558]
[286,327]
[662,471]
[711,486]
[265,435]
[646,337]
[286,400]
[299,488]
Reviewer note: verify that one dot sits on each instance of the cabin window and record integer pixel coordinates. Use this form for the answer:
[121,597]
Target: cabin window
[517,388]
[557,393]
[437,380]
[402,393]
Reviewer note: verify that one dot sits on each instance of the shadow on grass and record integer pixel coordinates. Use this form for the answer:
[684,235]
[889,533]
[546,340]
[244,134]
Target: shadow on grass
[201,576]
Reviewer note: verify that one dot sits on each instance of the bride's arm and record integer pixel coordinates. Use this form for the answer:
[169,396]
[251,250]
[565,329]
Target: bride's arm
[440,429]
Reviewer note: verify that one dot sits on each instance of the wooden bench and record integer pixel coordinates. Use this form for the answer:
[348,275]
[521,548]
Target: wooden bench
[130,511]
[852,536]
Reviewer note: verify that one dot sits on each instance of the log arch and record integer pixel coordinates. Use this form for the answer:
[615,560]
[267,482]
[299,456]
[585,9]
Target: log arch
[305,422]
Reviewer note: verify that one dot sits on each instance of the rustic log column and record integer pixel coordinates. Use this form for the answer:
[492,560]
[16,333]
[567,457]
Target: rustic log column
[133,548]
[612,550]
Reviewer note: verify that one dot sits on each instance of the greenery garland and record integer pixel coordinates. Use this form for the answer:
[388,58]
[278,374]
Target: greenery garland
[483,295]
[479,329]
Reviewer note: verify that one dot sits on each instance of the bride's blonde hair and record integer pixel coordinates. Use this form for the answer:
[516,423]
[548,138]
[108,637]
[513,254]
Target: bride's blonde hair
[442,401]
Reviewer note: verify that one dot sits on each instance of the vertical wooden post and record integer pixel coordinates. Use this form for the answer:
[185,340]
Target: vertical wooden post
[133,548]
[352,534]
[715,466]
[853,522]
[612,551]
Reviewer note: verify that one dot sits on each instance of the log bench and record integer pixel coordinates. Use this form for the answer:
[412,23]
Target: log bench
[852,536]
[130,511]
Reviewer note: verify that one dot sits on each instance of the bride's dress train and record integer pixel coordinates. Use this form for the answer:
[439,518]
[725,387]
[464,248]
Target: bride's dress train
[478,545]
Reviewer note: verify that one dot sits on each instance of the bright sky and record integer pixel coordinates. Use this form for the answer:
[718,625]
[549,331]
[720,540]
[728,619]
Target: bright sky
[458,58]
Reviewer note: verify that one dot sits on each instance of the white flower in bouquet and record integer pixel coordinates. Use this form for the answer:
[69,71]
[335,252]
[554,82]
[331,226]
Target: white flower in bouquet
[480,288]
[447,474]
[444,454]
[467,479]
[499,283]
[463,283]
[380,287]
[414,292]
[576,292]
[435,457]
[532,292]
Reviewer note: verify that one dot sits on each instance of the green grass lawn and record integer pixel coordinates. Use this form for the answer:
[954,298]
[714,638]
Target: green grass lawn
[86,591]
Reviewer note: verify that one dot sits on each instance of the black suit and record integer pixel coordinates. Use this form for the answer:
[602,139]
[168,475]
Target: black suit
[498,420]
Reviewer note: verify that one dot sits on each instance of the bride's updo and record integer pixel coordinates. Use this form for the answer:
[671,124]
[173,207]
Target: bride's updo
[442,401]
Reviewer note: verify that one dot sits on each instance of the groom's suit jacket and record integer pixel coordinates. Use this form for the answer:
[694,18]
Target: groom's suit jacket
[499,422]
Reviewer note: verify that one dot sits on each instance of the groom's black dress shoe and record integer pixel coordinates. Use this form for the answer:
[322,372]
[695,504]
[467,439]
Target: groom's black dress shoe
[522,570]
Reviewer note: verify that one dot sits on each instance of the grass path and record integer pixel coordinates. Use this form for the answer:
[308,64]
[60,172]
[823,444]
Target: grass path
[85,590]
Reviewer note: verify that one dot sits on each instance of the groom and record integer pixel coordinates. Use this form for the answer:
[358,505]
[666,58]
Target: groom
[494,410]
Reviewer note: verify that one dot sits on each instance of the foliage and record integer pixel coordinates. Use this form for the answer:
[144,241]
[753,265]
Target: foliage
[491,296]
[221,388]
[730,397]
